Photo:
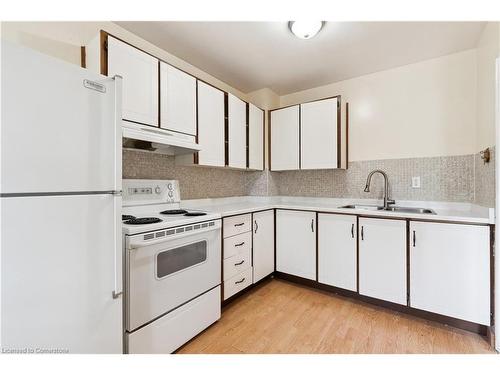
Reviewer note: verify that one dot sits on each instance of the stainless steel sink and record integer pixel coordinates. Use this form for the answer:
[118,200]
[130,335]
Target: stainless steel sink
[363,207]
[409,210]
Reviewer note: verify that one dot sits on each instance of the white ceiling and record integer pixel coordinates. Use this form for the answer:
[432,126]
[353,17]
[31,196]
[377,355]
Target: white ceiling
[253,55]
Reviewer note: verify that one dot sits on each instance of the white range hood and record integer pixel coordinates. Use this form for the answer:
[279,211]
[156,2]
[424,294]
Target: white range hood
[152,139]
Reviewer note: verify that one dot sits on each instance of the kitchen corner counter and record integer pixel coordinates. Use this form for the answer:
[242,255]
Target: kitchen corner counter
[445,211]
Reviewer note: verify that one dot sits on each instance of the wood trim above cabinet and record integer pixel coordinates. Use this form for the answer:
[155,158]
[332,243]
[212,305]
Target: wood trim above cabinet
[346,135]
[247,134]
[226,129]
[263,139]
[269,153]
[83,57]
[196,157]
[300,136]
[159,94]
[339,133]
[103,38]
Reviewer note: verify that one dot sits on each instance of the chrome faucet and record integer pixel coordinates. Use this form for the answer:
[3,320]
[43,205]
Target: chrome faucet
[387,201]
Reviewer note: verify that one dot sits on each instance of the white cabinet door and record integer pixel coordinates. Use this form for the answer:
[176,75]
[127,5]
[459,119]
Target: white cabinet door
[178,100]
[263,244]
[255,137]
[296,243]
[318,126]
[382,259]
[285,139]
[140,81]
[450,270]
[210,125]
[237,118]
[337,250]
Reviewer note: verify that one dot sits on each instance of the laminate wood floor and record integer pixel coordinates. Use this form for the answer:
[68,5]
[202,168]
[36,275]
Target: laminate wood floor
[281,317]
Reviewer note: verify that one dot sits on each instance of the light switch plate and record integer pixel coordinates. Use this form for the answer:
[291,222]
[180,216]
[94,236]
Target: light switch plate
[415,182]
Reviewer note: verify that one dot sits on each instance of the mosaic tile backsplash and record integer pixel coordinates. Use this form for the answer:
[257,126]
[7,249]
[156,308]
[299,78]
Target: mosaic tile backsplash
[441,178]
[461,178]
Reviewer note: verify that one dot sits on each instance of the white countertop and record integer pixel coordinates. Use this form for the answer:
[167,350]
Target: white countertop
[445,211]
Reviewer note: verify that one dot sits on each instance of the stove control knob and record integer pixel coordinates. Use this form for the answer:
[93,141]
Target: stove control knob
[158,190]
[170,194]
[169,186]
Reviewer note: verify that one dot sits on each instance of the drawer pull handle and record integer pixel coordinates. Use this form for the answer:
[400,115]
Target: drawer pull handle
[413,238]
[240,244]
[239,224]
[256,226]
[362,234]
[239,282]
[239,263]
[312,225]
[352,231]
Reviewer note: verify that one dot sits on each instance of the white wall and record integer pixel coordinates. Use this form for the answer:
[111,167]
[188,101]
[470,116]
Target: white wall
[486,53]
[422,109]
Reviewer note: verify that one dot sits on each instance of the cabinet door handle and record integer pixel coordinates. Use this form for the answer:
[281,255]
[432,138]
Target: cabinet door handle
[239,224]
[413,238]
[239,282]
[240,244]
[312,225]
[256,226]
[352,230]
[240,263]
[362,233]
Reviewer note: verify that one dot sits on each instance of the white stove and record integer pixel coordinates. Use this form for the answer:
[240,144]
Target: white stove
[151,205]
[172,267]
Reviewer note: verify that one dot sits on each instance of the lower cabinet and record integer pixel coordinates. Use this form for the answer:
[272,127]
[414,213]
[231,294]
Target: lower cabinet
[382,259]
[263,244]
[236,254]
[337,250]
[450,270]
[296,243]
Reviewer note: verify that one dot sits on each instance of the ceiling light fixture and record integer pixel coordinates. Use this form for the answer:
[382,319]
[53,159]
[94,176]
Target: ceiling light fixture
[305,29]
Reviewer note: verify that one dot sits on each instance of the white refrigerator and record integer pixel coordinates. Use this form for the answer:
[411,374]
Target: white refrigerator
[61,255]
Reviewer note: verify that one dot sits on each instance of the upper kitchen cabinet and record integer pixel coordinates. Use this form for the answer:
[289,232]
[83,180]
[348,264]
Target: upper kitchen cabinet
[255,137]
[140,79]
[210,125]
[284,151]
[177,100]
[310,135]
[319,132]
[237,132]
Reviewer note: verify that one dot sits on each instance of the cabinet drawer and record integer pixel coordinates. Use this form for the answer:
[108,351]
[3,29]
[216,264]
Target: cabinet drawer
[237,224]
[237,283]
[237,244]
[237,263]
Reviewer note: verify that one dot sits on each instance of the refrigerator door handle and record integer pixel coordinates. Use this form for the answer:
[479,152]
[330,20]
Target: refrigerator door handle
[118,253]
[118,81]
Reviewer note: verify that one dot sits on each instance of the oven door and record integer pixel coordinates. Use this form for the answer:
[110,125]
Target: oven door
[168,268]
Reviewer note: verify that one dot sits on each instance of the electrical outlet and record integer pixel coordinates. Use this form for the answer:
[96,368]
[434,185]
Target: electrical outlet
[415,182]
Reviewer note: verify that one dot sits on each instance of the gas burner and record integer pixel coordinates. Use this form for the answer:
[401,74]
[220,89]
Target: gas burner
[143,220]
[195,213]
[127,217]
[174,212]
